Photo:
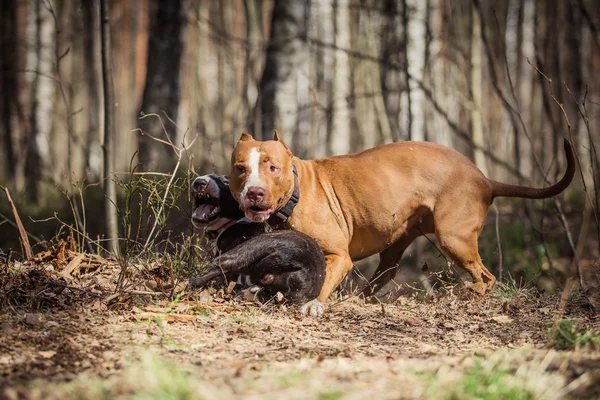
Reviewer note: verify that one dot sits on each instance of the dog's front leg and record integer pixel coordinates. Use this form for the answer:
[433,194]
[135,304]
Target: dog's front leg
[202,280]
[337,266]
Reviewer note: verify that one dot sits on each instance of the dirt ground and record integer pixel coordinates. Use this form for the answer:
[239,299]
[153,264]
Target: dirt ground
[63,336]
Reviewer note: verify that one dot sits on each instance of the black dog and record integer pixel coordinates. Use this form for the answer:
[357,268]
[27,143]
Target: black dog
[287,261]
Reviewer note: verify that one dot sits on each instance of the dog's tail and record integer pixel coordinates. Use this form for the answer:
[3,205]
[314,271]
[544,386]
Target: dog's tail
[500,189]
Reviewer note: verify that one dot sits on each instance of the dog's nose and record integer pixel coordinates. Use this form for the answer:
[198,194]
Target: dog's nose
[255,194]
[199,184]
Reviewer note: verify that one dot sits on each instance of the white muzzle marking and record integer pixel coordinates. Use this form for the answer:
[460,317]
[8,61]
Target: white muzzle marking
[254,177]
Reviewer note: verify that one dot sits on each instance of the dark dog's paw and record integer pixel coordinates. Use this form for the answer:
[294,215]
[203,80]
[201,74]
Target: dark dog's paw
[197,282]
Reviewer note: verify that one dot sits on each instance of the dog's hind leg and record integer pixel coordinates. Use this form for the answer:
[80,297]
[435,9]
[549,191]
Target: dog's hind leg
[457,236]
[237,260]
[389,262]
[389,259]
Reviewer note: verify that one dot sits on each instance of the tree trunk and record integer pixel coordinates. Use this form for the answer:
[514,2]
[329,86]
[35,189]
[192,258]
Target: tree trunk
[110,190]
[476,88]
[287,56]
[161,92]
[512,38]
[95,109]
[392,47]
[526,85]
[416,12]
[13,90]
[440,65]
[340,123]
[323,63]
[33,168]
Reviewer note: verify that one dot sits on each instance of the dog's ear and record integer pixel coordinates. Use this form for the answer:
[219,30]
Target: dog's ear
[277,138]
[246,137]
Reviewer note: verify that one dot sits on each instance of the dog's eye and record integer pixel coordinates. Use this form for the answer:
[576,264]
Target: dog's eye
[240,169]
[274,169]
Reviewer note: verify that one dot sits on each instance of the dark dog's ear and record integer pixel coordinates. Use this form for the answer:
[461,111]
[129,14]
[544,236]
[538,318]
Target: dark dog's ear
[246,137]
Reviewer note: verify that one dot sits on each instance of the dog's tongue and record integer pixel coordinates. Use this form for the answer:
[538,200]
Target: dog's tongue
[204,210]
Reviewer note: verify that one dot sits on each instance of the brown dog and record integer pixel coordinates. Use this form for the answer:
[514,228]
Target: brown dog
[376,201]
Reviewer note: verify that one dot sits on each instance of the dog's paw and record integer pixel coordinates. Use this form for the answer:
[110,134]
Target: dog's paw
[196,283]
[313,308]
[478,287]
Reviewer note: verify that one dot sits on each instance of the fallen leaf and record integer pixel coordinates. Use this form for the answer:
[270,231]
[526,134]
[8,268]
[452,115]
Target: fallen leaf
[166,317]
[32,319]
[412,321]
[47,354]
[502,319]
[204,297]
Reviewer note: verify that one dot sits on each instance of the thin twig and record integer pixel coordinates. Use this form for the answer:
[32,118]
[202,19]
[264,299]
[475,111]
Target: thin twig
[499,243]
[59,82]
[179,153]
[22,231]
[593,155]
[84,235]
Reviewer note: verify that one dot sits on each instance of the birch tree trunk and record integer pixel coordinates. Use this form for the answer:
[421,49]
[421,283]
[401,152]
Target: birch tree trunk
[440,131]
[340,122]
[416,11]
[476,87]
[322,26]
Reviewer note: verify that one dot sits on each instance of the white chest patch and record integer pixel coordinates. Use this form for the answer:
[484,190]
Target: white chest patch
[254,165]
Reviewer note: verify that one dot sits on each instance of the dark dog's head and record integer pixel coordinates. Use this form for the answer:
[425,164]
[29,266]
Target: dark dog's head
[214,206]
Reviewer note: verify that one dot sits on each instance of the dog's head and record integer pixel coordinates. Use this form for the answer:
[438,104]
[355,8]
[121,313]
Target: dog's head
[214,206]
[261,177]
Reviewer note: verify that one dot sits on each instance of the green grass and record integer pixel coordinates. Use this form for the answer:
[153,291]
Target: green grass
[566,334]
[510,288]
[291,378]
[152,377]
[330,395]
[503,375]
[490,384]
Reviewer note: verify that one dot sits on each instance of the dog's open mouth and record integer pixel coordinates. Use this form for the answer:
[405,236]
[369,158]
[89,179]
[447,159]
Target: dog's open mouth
[258,213]
[206,210]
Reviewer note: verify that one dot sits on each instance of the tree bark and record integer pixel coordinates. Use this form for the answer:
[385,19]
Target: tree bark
[415,15]
[392,48]
[322,25]
[8,81]
[512,39]
[13,90]
[161,92]
[110,190]
[476,88]
[340,124]
[287,56]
